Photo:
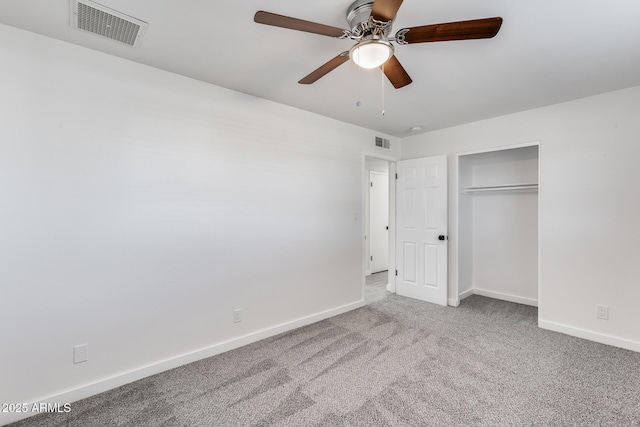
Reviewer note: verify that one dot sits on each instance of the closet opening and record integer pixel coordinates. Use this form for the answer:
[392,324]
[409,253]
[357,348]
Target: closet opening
[498,224]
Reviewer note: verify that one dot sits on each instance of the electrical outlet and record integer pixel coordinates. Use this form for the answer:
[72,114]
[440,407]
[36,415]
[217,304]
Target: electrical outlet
[236,316]
[602,312]
[80,353]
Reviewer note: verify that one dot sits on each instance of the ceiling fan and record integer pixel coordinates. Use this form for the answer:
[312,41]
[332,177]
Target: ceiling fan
[370,22]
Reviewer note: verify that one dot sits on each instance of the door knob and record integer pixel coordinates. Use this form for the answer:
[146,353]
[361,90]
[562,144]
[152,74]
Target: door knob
[441,237]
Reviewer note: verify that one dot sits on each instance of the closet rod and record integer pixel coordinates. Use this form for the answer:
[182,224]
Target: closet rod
[505,187]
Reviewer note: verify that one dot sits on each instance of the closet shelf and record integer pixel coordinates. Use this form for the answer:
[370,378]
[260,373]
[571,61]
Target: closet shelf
[505,187]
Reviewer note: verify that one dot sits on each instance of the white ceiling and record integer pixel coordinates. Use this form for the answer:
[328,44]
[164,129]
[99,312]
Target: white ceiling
[548,51]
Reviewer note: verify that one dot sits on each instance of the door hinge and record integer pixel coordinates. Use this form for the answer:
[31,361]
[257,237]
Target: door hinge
[396,272]
[371,258]
[396,176]
[372,184]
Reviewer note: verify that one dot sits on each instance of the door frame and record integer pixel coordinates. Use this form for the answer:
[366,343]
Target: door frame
[391,284]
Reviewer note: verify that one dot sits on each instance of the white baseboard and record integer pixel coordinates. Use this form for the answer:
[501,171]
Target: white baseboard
[506,297]
[455,302]
[106,384]
[465,294]
[590,335]
[390,288]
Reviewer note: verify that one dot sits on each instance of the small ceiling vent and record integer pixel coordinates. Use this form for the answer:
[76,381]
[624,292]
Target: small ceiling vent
[93,17]
[382,142]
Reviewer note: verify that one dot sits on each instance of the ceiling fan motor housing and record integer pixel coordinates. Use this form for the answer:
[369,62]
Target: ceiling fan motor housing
[358,17]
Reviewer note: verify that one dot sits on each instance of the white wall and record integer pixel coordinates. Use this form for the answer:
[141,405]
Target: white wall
[589,207]
[139,208]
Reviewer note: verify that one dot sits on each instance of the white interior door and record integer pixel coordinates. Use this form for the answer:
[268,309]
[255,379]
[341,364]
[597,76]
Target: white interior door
[421,239]
[379,221]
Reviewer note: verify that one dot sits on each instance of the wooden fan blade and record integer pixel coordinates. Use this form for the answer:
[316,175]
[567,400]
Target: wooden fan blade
[282,21]
[385,10]
[463,30]
[325,69]
[396,73]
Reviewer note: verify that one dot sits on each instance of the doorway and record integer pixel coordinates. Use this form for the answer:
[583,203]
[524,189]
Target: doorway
[377,228]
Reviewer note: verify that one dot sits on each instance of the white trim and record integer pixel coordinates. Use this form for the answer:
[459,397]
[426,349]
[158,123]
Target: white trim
[455,278]
[540,188]
[465,294]
[453,302]
[506,297]
[590,335]
[501,148]
[378,156]
[392,227]
[100,386]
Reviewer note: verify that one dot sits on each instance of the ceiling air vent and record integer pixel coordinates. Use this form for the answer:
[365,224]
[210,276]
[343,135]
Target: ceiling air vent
[382,142]
[93,17]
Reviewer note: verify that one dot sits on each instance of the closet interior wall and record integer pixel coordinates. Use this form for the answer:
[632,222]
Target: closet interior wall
[498,224]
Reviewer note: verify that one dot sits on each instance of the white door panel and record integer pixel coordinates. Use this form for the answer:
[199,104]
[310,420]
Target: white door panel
[421,221]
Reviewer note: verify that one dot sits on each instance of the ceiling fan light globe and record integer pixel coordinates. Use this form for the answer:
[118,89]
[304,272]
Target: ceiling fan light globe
[371,53]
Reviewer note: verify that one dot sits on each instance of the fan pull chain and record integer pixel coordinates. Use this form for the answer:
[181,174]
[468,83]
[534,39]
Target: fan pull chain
[382,84]
[358,103]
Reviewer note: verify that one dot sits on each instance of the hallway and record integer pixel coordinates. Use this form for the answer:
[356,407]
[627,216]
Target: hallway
[376,287]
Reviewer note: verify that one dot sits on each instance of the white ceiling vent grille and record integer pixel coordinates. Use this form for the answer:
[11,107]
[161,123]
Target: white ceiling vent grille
[382,142]
[98,19]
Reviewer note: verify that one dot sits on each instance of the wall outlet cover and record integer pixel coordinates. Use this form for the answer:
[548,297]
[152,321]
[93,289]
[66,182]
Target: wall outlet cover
[80,353]
[602,312]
